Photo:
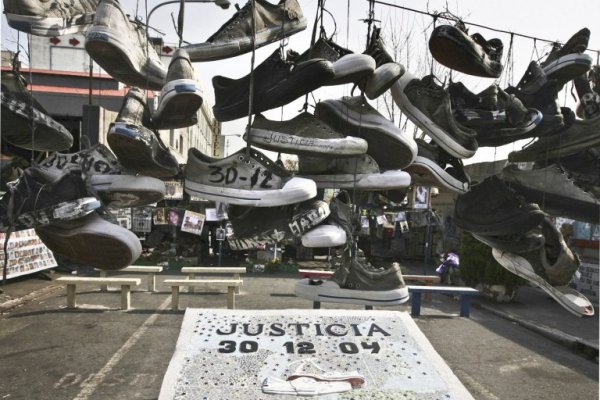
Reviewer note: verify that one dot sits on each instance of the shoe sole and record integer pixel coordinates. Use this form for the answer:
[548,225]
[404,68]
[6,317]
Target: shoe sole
[113,56]
[46,26]
[506,244]
[329,293]
[498,136]
[294,191]
[292,144]
[422,121]
[571,300]
[388,180]
[568,67]
[120,191]
[352,68]
[101,245]
[324,236]
[382,79]
[212,52]
[383,137]
[425,171]
[179,102]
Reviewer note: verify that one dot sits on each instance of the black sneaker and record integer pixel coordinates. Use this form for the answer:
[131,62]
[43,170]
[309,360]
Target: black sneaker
[451,46]
[565,63]
[387,71]
[138,148]
[589,101]
[277,82]
[492,208]
[25,123]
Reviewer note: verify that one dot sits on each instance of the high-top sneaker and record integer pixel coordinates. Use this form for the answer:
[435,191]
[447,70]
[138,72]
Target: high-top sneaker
[121,48]
[387,70]
[137,147]
[50,18]
[273,22]
[181,97]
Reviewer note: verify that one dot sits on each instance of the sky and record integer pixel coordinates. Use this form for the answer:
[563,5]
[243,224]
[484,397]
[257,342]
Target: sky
[546,19]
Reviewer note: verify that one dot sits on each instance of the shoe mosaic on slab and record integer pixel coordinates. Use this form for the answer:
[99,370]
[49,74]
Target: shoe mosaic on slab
[360,173]
[121,48]
[434,167]
[492,208]
[304,134]
[554,191]
[25,123]
[304,386]
[104,176]
[427,105]
[38,198]
[451,46]
[137,148]
[50,18]
[273,22]
[92,241]
[181,97]
[355,282]
[248,181]
[277,82]
[387,71]
[325,235]
[310,369]
[389,146]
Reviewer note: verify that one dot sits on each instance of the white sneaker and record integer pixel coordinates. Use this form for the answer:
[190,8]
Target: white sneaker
[303,387]
[310,369]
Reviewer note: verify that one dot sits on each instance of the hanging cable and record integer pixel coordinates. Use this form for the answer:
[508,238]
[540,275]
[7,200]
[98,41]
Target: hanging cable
[251,84]
[180,21]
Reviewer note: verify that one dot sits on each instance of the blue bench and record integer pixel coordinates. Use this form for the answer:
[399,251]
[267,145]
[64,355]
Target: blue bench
[465,294]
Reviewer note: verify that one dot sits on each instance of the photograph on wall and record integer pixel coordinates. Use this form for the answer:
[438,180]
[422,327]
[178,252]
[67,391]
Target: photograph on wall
[174,216]
[160,216]
[141,219]
[421,197]
[174,190]
[193,222]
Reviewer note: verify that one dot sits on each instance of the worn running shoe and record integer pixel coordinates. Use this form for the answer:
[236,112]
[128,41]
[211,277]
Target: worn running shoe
[304,134]
[25,123]
[121,48]
[181,97]
[138,148]
[451,46]
[50,18]
[273,22]
[240,179]
[387,71]
[389,146]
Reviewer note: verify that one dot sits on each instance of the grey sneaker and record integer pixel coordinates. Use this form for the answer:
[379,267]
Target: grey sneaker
[248,181]
[554,191]
[137,148]
[273,22]
[427,105]
[104,175]
[50,18]
[356,282]
[181,97]
[360,173]
[25,123]
[121,48]
[389,146]
[304,134]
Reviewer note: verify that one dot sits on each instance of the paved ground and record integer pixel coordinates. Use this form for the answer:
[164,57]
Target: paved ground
[100,352]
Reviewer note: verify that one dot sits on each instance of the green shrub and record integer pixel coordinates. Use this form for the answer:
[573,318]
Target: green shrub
[477,265]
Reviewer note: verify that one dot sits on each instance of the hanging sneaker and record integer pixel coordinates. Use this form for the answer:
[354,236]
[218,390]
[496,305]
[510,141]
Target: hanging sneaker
[92,241]
[515,243]
[427,105]
[50,18]
[304,134]
[277,82]
[387,71]
[307,387]
[584,168]
[356,282]
[248,181]
[325,235]
[38,198]
[389,146]
[310,369]
[589,101]
[104,176]
[25,123]
[137,148]
[181,97]
[492,208]
[273,23]
[434,167]
[565,63]
[452,47]
[360,173]
[121,48]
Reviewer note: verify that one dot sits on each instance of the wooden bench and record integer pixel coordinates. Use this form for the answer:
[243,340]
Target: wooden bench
[231,285]
[73,281]
[151,270]
[193,271]
[465,294]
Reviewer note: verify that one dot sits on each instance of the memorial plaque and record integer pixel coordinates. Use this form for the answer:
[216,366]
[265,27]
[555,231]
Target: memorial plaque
[228,354]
